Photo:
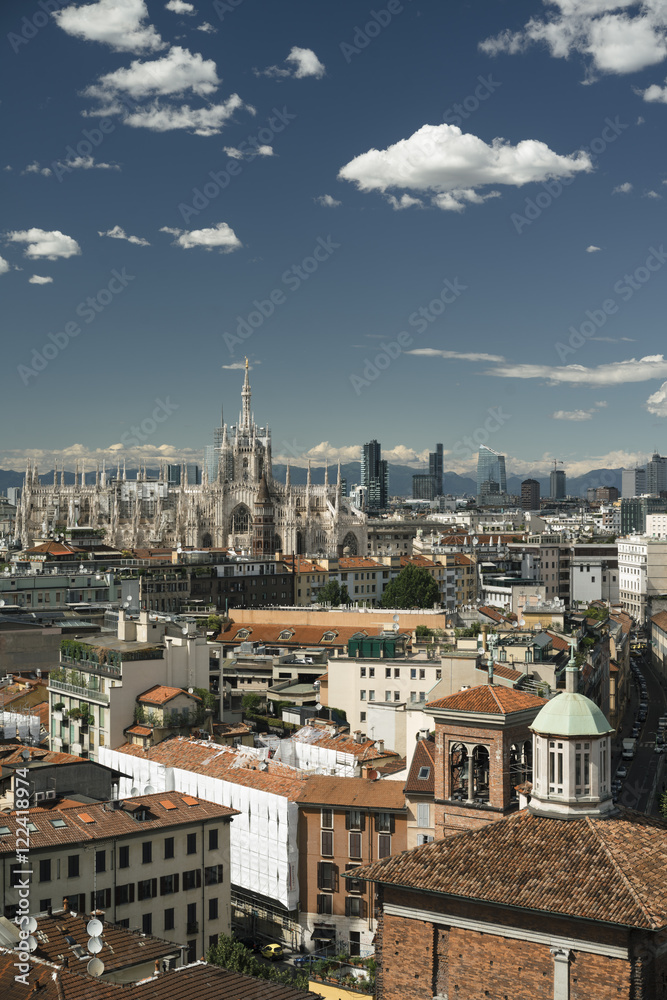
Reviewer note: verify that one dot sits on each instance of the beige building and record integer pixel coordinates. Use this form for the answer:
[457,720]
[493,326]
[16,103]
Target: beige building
[156,863]
[642,570]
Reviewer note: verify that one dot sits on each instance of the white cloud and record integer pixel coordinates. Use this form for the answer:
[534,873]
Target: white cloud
[35,168]
[201,121]
[431,352]
[640,121]
[38,279]
[44,244]
[327,200]
[652,194]
[618,37]
[655,94]
[175,73]
[118,233]
[623,188]
[220,237]
[303,63]
[407,201]
[657,401]
[207,28]
[592,249]
[240,366]
[117,23]
[573,415]
[452,165]
[151,454]
[238,154]
[4,266]
[601,404]
[615,373]
[180,7]
[87,163]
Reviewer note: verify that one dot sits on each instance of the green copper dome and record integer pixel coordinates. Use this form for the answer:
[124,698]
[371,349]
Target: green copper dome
[570,714]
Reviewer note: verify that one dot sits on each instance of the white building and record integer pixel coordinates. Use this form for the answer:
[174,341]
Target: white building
[642,570]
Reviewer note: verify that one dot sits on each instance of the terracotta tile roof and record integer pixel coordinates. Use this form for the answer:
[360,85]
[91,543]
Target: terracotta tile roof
[12,754]
[198,980]
[344,743]
[502,670]
[558,641]
[358,562]
[302,635]
[423,757]
[611,869]
[462,560]
[159,694]
[138,730]
[121,949]
[392,766]
[419,561]
[660,620]
[217,761]
[488,698]
[321,789]
[53,549]
[96,821]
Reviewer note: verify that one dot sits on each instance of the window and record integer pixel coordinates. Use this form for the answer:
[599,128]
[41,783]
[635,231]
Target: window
[413,674]
[387,671]
[147,888]
[324,903]
[356,885]
[355,906]
[124,894]
[355,845]
[423,814]
[147,852]
[397,672]
[354,820]
[45,870]
[213,840]
[384,845]
[100,861]
[192,879]
[327,876]
[73,866]
[168,847]
[169,919]
[191,843]
[362,696]
[422,674]
[169,884]
[44,905]
[327,843]
[99,901]
[384,822]
[326,819]
[424,773]
[371,694]
[213,875]
[397,695]
[362,716]
[362,671]
[147,923]
[371,671]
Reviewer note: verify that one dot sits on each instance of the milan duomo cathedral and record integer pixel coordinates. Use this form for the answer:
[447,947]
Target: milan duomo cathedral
[241,507]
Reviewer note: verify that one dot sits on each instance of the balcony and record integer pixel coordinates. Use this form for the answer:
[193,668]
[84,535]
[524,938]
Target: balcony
[87,693]
[91,667]
[193,927]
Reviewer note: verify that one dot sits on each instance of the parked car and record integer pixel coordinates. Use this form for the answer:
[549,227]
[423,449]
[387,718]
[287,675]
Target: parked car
[622,771]
[302,960]
[272,951]
[660,748]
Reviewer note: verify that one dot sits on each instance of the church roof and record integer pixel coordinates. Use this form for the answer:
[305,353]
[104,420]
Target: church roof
[612,869]
[571,714]
[488,699]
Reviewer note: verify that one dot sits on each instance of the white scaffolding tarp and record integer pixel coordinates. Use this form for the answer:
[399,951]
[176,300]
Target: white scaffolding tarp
[15,725]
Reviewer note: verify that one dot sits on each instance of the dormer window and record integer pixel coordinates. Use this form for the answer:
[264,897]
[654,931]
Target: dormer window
[424,773]
[286,634]
[243,633]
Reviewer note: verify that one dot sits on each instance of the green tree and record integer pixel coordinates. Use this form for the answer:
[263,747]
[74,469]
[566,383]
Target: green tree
[214,623]
[333,593]
[413,587]
[663,805]
[234,956]
[250,702]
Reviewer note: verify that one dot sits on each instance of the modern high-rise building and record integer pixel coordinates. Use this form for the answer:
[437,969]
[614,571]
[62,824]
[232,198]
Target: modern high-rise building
[557,484]
[177,473]
[423,486]
[656,474]
[530,494]
[491,468]
[212,451]
[633,482]
[374,475]
[436,468]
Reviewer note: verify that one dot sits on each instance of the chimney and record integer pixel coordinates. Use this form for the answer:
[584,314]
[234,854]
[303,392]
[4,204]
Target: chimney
[65,905]
[380,745]
[491,671]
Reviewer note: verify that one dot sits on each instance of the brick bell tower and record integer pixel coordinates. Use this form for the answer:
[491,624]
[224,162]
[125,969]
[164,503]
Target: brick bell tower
[263,523]
[483,752]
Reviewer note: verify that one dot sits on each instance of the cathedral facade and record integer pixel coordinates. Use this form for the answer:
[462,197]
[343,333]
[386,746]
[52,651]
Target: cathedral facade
[241,506]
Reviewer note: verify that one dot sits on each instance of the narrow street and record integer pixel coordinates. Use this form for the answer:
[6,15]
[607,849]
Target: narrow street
[647,772]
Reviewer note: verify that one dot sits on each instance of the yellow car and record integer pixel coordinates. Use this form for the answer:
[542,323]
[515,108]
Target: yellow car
[272,952]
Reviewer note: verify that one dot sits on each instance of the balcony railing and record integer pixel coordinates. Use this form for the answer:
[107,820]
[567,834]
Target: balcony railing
[91,667]
[87,693]
[193,927]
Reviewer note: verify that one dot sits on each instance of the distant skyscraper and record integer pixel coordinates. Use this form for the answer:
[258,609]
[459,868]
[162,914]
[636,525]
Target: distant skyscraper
[212,451]
[557,484]
[656,474]
[423,486]
[435,468]
[193,474]
[374,475]
[491,468]
[633,483]
[530,494]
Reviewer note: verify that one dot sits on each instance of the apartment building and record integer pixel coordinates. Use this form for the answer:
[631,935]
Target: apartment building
[92,697]
[158,863]
[420,794]
[343,822]
[642,570]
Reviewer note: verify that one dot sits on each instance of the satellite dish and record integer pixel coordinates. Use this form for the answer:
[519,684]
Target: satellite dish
[95,967]
[32,925]
[396,618]
[32,943]
[317,706]
[94,927]
[95,945]
[185,630]
[134,790]
[2,604]
[149,790]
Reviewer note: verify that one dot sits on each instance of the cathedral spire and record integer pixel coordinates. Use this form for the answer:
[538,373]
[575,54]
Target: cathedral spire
[245,396]
[326,471]
[288,475]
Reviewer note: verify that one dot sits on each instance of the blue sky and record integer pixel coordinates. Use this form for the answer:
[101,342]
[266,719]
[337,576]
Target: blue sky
[421,221]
